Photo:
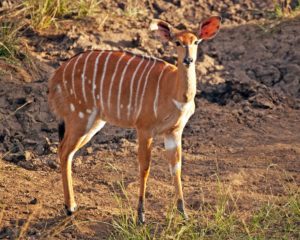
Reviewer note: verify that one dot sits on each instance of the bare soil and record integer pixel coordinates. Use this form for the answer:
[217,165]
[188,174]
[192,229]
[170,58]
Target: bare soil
[245,132]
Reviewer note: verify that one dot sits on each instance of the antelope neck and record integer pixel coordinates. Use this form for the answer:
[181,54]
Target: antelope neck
[185,83]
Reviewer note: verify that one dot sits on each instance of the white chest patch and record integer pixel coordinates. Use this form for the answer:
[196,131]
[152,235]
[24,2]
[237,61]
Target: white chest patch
[183,106]
[186,109]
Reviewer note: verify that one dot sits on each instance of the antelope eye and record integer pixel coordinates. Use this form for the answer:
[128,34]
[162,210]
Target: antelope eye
[177,43]
[196,42]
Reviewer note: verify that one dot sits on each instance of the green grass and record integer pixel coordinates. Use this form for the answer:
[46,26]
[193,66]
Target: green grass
[134,8]
[38,14]
[281,10]
[279,220]
[274,220]
[9,41]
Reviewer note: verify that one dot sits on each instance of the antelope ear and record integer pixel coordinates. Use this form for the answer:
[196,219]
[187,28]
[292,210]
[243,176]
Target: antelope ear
[162,29]
[209,28]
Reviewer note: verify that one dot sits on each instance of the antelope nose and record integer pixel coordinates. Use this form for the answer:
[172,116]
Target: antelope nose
[187,60]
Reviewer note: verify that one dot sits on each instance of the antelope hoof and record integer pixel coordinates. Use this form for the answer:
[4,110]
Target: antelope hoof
[141,218]
[180,208]
[70,211]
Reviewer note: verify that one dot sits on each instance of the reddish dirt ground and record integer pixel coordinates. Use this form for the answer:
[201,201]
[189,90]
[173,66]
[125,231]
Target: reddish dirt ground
[245,132]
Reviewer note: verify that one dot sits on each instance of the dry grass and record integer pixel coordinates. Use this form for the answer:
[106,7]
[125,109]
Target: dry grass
[45,13]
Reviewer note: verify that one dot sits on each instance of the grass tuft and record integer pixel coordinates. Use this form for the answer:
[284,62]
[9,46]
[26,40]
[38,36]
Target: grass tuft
[277,220]
[285,9]
[43,14]
[9,42]
[134,8]
[220,220]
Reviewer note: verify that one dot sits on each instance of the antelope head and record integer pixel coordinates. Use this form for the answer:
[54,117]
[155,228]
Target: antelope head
[186,41]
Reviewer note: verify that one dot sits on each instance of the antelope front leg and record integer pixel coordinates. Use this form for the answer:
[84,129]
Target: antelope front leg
[173,154]
[144,156]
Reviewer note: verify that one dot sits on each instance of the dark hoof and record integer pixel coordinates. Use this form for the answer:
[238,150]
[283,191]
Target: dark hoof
[69,211]
[141,218]
[185,216]
[180,208]
[141,212]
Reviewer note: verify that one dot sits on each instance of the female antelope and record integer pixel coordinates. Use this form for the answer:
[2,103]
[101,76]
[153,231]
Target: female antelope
[145,93]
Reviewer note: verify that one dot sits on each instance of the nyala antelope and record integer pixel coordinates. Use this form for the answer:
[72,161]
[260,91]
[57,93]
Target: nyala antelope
[132,91]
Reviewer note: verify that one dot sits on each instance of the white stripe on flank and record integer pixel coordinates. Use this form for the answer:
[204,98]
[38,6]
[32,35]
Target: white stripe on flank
[73,74]
[94,76]
[131,87]
[102,78]
[64,74]
[112,81]
[157,91]
[145,85]
[139,84]
[83,76]
[121,83]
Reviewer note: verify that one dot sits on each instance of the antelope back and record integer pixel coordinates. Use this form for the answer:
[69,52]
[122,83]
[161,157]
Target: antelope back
[121,87]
